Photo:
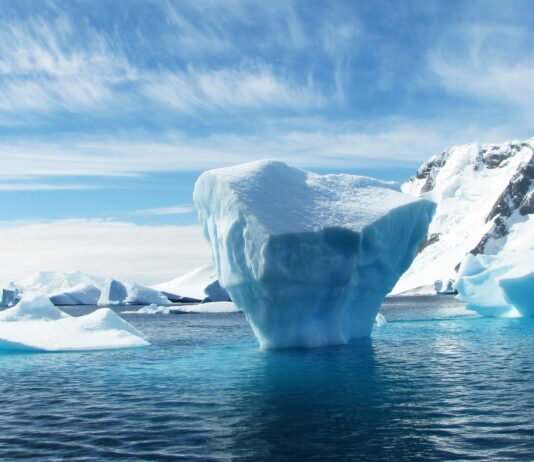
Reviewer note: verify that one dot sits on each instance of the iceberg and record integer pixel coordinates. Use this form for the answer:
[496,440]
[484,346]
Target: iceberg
[35,324]
[126,293]
[10,295]
[215,293]
[31,308]
[213,307]
[150,309]
[198,285]
[81,294]
[308,258]
[501,285]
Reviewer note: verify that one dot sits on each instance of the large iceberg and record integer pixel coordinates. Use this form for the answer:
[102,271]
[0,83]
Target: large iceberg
[502,285]
[308,258]
[35,324]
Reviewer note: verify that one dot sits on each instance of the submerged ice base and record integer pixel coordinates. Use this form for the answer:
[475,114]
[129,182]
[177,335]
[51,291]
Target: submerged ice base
[308,258]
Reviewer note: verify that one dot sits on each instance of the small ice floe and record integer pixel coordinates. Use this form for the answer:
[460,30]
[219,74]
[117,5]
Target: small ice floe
[213,307]
[380,320]
[150,309]
[35,324]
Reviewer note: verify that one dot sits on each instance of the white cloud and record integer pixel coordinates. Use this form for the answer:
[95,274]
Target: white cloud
[172,210]
[225,89]
[490,64]
[321,145]
[147,254]
[35,186]
[44,66]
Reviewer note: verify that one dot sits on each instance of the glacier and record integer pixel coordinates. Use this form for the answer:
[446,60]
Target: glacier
[309,258]
[35,324]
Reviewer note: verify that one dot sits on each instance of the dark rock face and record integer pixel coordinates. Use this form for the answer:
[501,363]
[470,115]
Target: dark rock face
[429,171]
[428,240]
[517,196]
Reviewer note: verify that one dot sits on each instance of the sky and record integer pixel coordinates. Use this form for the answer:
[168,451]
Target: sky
[110,110]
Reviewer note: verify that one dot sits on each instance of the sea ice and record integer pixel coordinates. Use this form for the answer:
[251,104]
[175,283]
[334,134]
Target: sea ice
[119,293]
[36,324]
[213,307]
[308,258]
[150,309]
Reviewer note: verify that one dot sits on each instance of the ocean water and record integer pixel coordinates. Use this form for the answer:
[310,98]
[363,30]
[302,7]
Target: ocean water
[435,383]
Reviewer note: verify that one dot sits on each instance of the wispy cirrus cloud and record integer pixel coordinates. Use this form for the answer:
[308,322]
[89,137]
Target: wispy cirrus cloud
[327,145]
[45,66]
[227,89]
[38,186]
[492,64]
[181,209]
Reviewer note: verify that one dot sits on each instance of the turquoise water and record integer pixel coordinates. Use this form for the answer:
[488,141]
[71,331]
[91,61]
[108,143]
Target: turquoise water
[434,384]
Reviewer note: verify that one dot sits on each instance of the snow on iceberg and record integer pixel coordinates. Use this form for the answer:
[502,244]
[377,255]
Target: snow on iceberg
[36,324]
[308,258]
[201,284]
[31,308]
[126,293]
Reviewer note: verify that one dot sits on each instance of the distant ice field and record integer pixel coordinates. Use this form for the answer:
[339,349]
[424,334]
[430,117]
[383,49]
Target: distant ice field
[435,383]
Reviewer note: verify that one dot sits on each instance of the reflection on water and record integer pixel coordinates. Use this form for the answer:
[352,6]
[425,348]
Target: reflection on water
[435,383]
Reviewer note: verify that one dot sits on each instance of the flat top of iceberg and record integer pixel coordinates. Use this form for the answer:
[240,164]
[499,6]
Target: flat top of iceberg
[285,199]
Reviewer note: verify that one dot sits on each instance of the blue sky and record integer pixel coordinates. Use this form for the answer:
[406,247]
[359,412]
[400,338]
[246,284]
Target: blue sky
[108,110]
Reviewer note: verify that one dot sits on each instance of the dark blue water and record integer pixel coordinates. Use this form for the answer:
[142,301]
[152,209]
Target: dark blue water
[434,384]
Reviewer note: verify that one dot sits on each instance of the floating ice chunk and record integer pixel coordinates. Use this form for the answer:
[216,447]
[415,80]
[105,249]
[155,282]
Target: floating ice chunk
[201,284]
[81,294]
[33,307]
[113,293]
[444,286]
[150,309]
[215,293]
[213,307]
[36,324]
[118,293]
[139,295]
[308,258]
[380,320]
[10,295]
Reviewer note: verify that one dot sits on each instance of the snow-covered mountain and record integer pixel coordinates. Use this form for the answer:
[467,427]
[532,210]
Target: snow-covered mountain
[483,195]
[52,282]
